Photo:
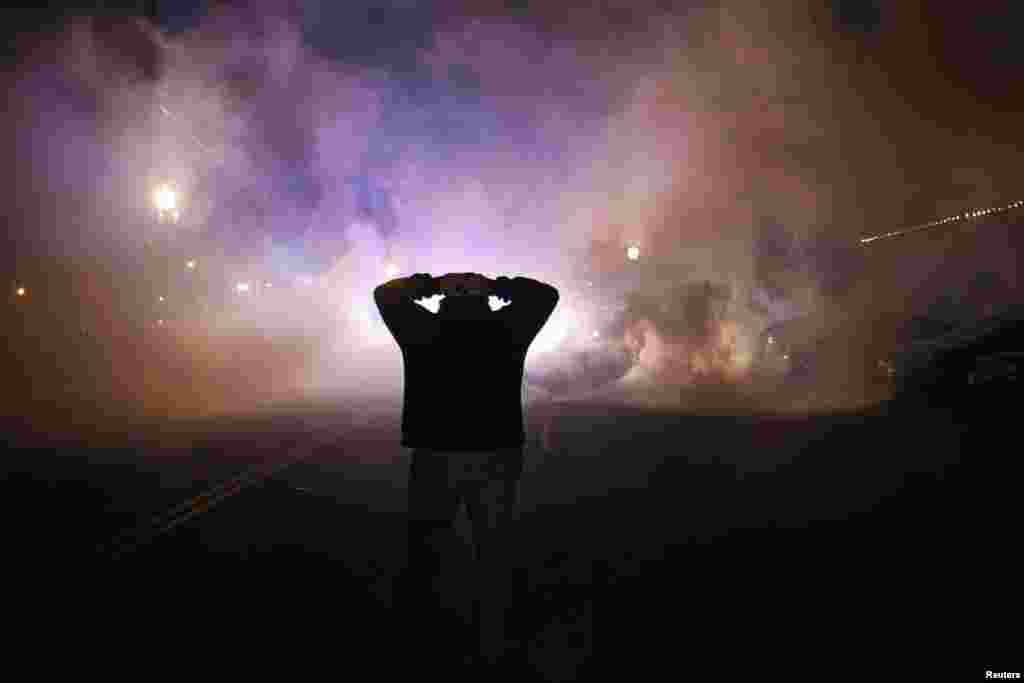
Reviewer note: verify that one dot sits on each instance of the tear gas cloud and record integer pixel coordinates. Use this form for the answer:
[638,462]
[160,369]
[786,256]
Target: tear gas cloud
[508,149]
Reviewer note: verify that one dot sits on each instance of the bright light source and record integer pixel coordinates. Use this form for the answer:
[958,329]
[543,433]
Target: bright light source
[160,322]
[553,333]
[242,287]
[785,357]
[166,198]
[21,291]
[190,264]
[268,284]
[391,270]
[596,334]
[162,299]
[771,340]
[633,253]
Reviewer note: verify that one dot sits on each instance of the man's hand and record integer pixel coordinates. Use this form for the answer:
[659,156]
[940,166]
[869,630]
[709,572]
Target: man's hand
[462,284]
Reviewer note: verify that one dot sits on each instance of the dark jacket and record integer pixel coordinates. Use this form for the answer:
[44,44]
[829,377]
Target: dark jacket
[464,378]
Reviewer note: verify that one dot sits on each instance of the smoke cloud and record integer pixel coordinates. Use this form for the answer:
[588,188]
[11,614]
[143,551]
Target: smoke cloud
[734,145]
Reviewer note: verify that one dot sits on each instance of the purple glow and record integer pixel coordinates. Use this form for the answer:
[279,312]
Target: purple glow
[259,159]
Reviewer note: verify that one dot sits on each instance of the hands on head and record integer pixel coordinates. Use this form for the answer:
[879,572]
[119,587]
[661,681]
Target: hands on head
[465,284]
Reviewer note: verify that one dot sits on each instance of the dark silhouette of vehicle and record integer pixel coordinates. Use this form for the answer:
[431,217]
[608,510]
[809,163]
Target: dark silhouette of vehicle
[969,359]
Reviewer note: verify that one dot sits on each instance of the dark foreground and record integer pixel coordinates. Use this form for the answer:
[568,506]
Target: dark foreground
[652,544]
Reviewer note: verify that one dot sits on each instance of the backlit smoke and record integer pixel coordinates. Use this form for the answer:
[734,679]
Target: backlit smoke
[679,144]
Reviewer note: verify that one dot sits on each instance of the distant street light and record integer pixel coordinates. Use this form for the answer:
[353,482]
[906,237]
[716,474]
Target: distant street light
[21,291]
[166,200]
[633,253]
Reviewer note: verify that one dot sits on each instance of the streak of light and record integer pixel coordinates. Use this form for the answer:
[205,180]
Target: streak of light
[133,539]
[967,215]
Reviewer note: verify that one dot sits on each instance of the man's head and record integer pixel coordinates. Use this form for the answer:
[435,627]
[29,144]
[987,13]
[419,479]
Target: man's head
[465,296]
[464,307]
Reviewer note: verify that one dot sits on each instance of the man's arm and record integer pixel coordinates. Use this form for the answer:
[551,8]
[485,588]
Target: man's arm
[419,286]
[396,299]
[532,304]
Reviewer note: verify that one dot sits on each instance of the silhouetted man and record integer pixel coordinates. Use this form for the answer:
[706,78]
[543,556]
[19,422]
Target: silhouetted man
[462,416]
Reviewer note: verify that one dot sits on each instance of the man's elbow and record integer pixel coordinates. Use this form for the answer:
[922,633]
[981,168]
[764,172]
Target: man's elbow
[552,298]
[386,296]
[542,291]
[543,298]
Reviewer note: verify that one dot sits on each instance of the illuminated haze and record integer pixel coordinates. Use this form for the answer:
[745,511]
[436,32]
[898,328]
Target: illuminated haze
[510,149]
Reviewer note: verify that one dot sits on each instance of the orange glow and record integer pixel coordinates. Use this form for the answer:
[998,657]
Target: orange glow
[682,362]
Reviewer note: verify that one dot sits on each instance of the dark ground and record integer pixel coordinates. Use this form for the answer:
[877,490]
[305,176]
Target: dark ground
[652,543]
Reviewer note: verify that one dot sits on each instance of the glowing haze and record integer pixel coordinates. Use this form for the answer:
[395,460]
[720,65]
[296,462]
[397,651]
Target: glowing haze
[510,150]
